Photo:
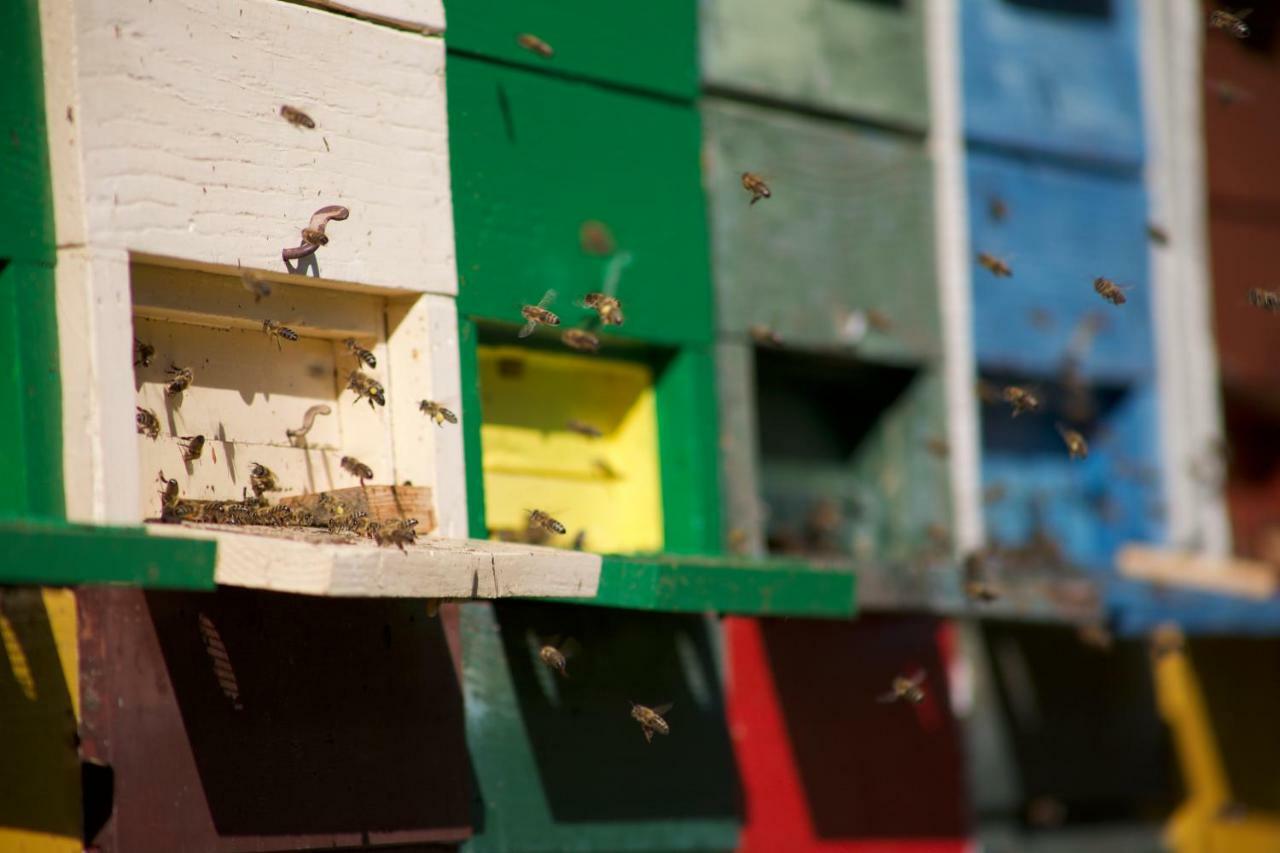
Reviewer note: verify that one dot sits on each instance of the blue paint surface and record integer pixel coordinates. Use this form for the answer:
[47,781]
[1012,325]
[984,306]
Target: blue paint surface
[1136,608]
[1057,76]
[1063,228]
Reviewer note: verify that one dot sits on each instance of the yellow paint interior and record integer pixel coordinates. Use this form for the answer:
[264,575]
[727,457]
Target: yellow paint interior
[39,710]
[607,486]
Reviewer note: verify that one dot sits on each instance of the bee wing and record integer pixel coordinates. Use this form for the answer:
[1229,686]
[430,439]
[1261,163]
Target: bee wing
[527,330]
[1243,13]
[662,709]
[918,678]
[547,299]
[648,734]
[449,416]
[891,696]
[570,648]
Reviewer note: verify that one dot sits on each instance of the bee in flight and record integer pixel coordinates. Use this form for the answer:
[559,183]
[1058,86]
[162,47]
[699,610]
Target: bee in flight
[1267,300]
[148,423]
[650,719]
[532,43]
[1077,447]
[182,379]
[262,479]
[905,689]
[595,238]
[938,446]
[253,284]
[542,520]
[581,340]
[976,585]
[437,412]
[356,468]
[609,309]
[997,208]
[296,117]
[1231,23]
[142,353]
[366,386]
[360,353]
[997,267]
[1109,290]
[1020,399]
[583,428]
[762,334]
[277,331]
[536,315]
[193,447]
[754,184]
[556,655]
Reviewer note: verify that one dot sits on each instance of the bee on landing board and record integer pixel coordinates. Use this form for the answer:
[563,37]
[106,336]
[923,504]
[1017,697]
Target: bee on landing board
[1110,291]
[1267,300]
[536,315]
[994,265]
[1231,23]
[437,412]
[398,532]
[754,184]
[651,720]
[296,117]
[142,353]
[193,447]
[262,479]
[182,379]
[168,495]
[1077,447]
[277,331]
[581,340]
[609,309]
[536,45]
[360,353]
[356,468]
[905,689]
[543,520]
[366,387]
[1020,399]
[148,423]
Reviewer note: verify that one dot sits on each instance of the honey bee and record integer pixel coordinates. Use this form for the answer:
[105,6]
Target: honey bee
[193,448]
[555,656]
[650,719]
[437,412]
[583,428]
[996,266]
[168,495]
[538,314]
[539,519]
[878,320]
[1077,447]
[997,209]
[536,45]
[938,447]
[296,117]
[609,309]
[976,586]
[398,532]
[762,334]
[148,423]
[1157,234]
[262,479]
[360,353]
[366,386]
[579,540]
[596,238]
[277,331]
[1267,300]
[905,689]
[356,468]
[1109,290]
[142,353]
[1231,23]
[182,379]
[581,340]
[754,184]
[1020,399]
[1228,93]
[254,285]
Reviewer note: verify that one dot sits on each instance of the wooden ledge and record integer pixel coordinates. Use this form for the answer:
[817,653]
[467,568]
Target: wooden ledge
[1243,578]
[319,563]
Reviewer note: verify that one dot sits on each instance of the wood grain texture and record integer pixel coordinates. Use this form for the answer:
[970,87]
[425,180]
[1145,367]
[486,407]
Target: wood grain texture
[850,220]
[534,157]
[316,563]
[860,57]
[648,46]
[1054,77]
[379,503]
[182,151]
[426,16]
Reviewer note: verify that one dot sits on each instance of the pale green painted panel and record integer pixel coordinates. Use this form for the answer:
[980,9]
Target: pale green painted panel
[863,58]
[743,516]
[848,229]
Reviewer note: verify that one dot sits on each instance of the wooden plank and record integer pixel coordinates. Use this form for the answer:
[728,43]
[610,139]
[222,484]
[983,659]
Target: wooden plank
[379,503]
[652,46]
[863,58]
[535,157]
[320,564]
[1060,78]
[49,553]
[173,87]
[420,16]
[248,715]
[850,215]
[1252,579]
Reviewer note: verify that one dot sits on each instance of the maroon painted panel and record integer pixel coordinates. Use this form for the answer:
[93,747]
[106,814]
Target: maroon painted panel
[250,721]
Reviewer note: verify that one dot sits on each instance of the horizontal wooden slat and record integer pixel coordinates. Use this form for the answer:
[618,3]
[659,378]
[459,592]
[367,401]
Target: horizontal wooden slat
[1229,576]
[424,16]
[181,150]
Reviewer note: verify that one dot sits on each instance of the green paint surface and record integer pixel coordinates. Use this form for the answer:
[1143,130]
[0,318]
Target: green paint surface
[41,553]
[534,157]
[849,229]
[731,585]
[472,418]
[863,58]
[26,209]
[559,764]
[650,46]
[688,437]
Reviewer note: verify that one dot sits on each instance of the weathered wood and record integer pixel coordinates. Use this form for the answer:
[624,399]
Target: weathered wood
[1230,576]
[863,58]
[379,503]
[319,563]
[419,16]
[849,220]
[744,510]
[192,92]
